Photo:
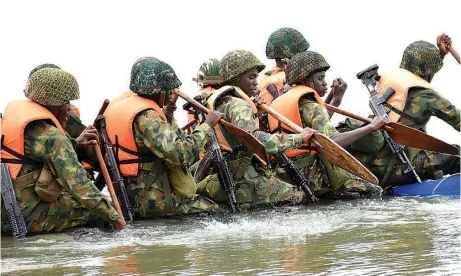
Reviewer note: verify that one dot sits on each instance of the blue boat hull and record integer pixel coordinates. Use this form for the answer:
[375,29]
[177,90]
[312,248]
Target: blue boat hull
[446,186]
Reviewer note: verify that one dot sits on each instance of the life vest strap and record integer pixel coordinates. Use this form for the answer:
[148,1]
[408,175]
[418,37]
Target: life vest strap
[22,159]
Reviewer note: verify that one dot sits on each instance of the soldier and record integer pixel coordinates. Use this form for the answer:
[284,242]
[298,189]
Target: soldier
[51,186]
[306,73]
[256,186]
[154,154]
[413,104]
[74,127]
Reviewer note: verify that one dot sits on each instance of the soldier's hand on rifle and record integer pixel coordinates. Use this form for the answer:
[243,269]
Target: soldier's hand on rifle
[213,118]
[444,44]
[339,87]
[119,224]
[88,137]
[258,100]
[377,123]
[307,134]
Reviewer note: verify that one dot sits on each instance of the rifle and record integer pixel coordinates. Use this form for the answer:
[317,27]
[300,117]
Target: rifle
[214,158]
[13,211]
[224,174]
[370,77]
[405,135]
[125,208]
[298,178]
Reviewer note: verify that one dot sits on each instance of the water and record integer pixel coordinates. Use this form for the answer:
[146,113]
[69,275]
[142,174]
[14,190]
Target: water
[391,236]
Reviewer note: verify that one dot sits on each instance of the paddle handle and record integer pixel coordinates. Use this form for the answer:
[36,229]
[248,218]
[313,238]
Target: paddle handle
[191,123]
[455,54]
[110,186]
[352,115]
[192,101]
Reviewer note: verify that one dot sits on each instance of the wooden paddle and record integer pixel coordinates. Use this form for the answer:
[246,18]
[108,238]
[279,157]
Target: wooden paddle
[328,148]
[246,138]
[405,135]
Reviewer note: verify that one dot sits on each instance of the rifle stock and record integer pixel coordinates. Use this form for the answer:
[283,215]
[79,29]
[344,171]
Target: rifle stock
[247,139]
[328,148]
[405,135]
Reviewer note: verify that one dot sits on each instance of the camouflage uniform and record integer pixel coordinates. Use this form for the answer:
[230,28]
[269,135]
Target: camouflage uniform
[256,184]
[422,59]
[80,202]
[154,135]
[326,176]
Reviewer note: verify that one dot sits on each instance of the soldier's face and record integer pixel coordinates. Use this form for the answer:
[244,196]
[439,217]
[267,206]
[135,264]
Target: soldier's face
[248,83]
[318,83]
[60,112]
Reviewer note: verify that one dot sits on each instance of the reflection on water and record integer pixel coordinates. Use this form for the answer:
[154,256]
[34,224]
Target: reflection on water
[366,237]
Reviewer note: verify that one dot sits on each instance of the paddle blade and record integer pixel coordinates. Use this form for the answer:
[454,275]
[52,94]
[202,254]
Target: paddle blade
[341,158]
[248,140]
[411,137]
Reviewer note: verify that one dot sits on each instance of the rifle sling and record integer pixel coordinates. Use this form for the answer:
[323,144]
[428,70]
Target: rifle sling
[419,123]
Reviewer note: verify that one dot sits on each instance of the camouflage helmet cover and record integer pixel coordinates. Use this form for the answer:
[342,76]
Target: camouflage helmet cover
[422,58]
[150,76]
[52,87]
[235,63]
[303,65]
[41,66]
[208,73]
[285,43]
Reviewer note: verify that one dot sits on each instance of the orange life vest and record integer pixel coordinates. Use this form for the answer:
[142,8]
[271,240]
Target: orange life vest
[120,115]
[18,114]
[277,78]
[401,81]
[217,95]
[288,105]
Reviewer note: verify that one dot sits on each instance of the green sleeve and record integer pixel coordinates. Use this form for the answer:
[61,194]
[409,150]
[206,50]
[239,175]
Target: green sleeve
[162,139]
[46,143]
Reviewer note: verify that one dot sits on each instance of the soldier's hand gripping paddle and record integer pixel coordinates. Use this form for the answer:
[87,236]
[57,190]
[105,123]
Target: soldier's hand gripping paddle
[246,138]
[328,148]
[405,135]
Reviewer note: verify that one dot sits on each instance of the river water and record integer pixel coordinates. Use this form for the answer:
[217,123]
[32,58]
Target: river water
[389,236]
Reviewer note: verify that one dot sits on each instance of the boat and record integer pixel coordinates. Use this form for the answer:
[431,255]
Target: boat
[449,185]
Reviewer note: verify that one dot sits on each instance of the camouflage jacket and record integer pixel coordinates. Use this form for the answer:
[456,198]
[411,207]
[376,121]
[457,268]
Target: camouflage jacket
[166,141]
[44,142]
[316,117]
[423,103]
[240,113]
